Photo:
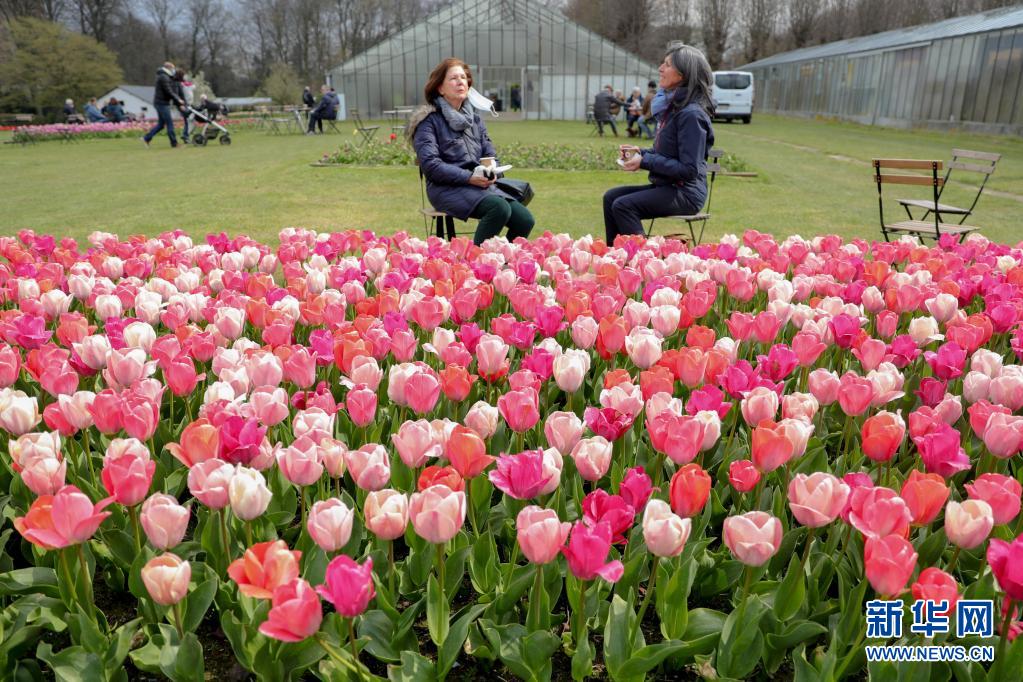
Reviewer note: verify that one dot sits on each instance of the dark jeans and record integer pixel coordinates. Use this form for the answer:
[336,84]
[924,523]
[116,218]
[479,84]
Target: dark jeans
[495,212]
[625,207]
[163,120]
[315,120]
[610,122]
[184,134]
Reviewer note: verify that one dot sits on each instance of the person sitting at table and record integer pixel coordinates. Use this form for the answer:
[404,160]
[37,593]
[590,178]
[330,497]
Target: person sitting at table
[450,140]
[324,109]
[114,111]
[93,114]
[678,160]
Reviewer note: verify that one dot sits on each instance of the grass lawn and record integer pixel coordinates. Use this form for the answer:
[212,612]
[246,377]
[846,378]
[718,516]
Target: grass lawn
[813,177]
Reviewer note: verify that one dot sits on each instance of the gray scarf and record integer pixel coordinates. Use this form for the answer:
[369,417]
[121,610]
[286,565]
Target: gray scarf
[461,121]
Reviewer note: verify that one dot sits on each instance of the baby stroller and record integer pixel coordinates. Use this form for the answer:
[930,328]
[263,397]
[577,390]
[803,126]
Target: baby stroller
[207,127]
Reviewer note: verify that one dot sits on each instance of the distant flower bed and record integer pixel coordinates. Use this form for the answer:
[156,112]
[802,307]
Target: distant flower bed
[548,156]
[57,131]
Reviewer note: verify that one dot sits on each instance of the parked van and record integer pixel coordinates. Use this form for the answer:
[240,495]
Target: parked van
[733,92]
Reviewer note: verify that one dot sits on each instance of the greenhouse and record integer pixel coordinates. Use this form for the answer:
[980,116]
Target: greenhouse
[959,73]
[525,56]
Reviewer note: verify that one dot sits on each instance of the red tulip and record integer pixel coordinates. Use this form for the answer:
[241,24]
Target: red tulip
[295,613]
[889,562]
[690,488]
[264,567]
[67,518]
[348,586]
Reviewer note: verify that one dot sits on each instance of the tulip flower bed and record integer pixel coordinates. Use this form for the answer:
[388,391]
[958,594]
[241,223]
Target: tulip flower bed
[356,456]
[81,131]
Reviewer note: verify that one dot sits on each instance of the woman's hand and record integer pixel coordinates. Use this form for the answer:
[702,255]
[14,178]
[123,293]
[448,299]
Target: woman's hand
[480,181]
[632,163]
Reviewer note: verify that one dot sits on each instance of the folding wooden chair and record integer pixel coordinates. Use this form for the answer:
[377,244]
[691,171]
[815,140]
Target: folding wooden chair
[977,162]
[701,217]
[366,131]
[923,228]
[443,223]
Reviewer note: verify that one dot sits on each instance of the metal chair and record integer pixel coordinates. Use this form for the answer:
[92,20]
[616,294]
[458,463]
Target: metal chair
[978,162]
[366,131]
[925,229]
[701,217]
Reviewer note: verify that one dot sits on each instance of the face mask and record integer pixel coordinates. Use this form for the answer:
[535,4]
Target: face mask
[481,103]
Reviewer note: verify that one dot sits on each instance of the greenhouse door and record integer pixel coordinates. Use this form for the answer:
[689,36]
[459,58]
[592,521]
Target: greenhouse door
[503,84]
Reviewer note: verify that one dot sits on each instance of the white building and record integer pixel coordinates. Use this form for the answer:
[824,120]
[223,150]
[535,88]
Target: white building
[137,100]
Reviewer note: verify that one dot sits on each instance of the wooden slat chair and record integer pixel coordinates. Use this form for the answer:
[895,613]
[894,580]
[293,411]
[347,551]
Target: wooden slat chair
[443,223]
[976,162]
[366,131]
[923,228]
[701,217]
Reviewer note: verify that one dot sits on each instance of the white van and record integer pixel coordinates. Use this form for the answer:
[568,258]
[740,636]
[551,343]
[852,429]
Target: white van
[733,92]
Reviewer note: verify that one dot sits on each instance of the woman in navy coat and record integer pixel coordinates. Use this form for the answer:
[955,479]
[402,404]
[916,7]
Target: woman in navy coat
[450,139]
[677,163]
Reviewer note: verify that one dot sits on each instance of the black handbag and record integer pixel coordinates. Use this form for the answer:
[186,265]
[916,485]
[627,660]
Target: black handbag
[520,190]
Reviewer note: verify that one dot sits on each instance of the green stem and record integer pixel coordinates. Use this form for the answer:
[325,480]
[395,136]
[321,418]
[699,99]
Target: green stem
[352,638]
[534,602]
[133,513]
[953,560]
[87,578]
[853,649]
[391,571]
[177,621]
[1006,622]
[582,613]
[745,594]
[806,550]
[222,514]
[440,565]
[88,455]
[646,598]
[62,559]
[248,533]
[334,654]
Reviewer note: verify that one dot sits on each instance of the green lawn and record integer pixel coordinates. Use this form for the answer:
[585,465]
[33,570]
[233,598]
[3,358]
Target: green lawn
[813,178]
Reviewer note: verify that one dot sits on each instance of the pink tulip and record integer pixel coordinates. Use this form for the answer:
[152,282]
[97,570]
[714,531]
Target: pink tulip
[936,585]
[587,551]
[437,513]
[1002,493]
[166,578]
[19,413]
[1006,561]
[664,533]
[240,439]
[541,534]
[181,376]
[330,524]
[824,385]
[808,347]
[43,474]
[563,430]
[520,409]
[817,500]
[636,488]
[369,466]
[128,478]
[967,525]
[386,512]
[878,511]
[799,406]
[164,521]
[679,437]
[295,613]
[300,464]
[753,537]
[200,441]
[1003,435]
[743,475]
[592,457]
[415,444]
[67,518]
[422,390]
[759,404]
[520,476]
[854,394]
[361,404]
[105,410]
[348,586]
[208,482]
[889,561]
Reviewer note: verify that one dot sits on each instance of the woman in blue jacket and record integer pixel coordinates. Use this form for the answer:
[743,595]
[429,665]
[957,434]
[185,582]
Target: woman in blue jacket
[677,163]
[450,140]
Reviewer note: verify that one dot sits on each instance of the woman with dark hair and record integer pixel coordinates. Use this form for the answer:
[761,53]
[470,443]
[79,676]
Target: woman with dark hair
[450,141]
[677,163]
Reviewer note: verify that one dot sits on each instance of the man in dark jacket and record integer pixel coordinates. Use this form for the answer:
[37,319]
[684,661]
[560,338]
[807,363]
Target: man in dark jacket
[602,109]
[164,95]
[327,108]
[307,97]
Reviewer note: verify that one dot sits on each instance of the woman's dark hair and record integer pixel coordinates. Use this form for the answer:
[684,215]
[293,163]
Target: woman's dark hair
[697,75]
[179,75]
[436,79]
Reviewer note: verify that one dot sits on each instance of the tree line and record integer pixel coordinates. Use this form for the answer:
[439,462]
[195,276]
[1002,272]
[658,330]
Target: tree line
[277,46]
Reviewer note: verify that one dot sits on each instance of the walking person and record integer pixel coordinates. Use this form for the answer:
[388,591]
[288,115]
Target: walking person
[185,89]
[602,105]
[164,96]
[677,163]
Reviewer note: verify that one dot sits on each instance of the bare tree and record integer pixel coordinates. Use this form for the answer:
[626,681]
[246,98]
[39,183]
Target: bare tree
[803,16]
[715,22]
[96,16]
[757,21]
[162,13]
